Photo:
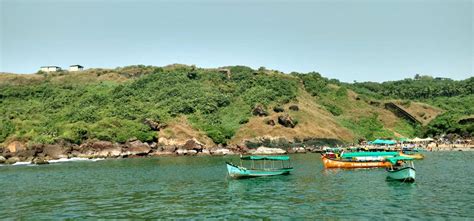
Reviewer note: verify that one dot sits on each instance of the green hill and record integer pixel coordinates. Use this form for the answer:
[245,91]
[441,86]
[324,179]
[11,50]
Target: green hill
[218,106]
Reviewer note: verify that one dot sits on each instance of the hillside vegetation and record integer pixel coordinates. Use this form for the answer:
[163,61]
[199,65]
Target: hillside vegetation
[216,106]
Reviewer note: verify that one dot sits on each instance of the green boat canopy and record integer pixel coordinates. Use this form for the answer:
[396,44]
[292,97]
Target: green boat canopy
[265,158]
[393,160]
[369,154]
[379,141]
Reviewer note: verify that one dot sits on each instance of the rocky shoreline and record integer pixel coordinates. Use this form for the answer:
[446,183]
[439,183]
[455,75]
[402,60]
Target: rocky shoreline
[42,154]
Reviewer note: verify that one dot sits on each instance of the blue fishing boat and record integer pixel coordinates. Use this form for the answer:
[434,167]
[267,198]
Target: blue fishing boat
[401,169]
[260,166]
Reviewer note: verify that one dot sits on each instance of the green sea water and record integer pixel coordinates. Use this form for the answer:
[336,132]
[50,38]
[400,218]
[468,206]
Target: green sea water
[198,187]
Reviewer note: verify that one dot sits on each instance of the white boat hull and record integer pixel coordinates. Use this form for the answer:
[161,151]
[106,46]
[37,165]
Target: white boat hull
[406,174]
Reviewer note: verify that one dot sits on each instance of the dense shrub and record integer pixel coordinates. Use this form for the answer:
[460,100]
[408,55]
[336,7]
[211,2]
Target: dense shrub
[278,109]
[313,82]
[47,112]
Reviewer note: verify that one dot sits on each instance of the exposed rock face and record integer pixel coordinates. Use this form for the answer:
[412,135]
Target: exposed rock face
[16,146]
[101,145]
[24,154]
[137,148]
[193,144]
[169,142]
[259,110]
[267,151]
[97,149]
[294,108]
[153,124]
[2,159]
[55,151]
[234,148]
[170,148]
[286,121]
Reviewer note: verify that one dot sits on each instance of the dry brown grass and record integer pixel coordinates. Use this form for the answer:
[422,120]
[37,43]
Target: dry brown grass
[19,79]
[355,109]
[313,121]
[89,76]
[421,111]
[180,130]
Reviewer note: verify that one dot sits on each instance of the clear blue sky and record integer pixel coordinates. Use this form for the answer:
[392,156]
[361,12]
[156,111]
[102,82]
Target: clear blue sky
[344,39]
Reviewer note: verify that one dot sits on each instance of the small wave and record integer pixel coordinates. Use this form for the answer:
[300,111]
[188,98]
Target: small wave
[74,159]
[21,163]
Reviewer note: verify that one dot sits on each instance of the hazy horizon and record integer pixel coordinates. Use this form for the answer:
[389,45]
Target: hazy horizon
[346,40]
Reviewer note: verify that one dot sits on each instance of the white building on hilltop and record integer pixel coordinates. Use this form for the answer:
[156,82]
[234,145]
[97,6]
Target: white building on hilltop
[76,67]
[50,68]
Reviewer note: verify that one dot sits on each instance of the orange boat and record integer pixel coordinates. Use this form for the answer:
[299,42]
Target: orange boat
[336,163]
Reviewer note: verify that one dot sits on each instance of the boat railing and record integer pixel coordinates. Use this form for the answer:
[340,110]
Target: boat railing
[268,164]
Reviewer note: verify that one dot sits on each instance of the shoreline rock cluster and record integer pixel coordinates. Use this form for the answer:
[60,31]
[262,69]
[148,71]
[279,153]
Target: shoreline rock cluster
[41,154]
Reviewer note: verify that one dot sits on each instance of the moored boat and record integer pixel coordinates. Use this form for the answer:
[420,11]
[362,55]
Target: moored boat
[401,169]
[368,156]
[260,166]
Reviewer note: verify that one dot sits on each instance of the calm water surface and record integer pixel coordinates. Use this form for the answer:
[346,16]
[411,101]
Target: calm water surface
[198,187]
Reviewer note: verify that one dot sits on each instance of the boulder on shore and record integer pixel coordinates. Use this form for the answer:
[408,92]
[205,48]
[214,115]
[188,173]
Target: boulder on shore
[12,160]
[267,151]
[101,145]
[25,154]
[193,144]
[161,153]
[40,160]
[110,152]
[55,151]
[137,148]
[2,159]
[186,152]
[204,152]
[221,151]
[170,148]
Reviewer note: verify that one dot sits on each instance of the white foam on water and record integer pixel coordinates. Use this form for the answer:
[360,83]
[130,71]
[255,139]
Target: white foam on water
[74,159]
[21,163]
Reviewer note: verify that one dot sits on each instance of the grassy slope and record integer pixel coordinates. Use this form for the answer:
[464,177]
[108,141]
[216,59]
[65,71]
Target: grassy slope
[357,118]
[313,121]
[179,130]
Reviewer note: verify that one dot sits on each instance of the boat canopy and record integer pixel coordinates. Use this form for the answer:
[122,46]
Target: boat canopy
[380,141]
[368,154]
[265,158]
[417,139]
[394,160]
